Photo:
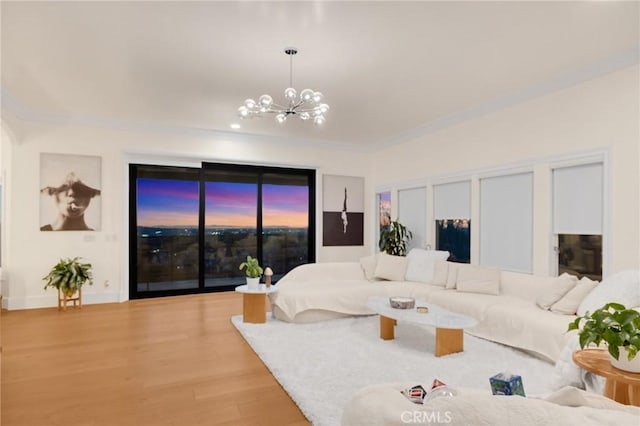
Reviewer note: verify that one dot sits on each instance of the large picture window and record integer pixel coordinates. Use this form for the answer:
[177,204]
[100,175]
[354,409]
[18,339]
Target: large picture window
[452,212]
[190,228]
[578,210]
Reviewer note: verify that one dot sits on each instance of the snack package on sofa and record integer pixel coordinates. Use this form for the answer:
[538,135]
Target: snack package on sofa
[506,384]
[415,394]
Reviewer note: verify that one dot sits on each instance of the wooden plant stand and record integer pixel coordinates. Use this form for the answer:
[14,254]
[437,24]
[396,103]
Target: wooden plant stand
[63,299]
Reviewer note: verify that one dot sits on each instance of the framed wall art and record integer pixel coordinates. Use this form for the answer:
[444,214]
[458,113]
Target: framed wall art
[342,211]
[70,189]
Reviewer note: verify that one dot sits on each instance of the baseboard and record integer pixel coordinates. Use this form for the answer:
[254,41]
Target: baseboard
[35,302]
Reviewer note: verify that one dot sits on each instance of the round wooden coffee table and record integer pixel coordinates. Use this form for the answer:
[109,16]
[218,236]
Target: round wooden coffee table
[621,386]
[449,325]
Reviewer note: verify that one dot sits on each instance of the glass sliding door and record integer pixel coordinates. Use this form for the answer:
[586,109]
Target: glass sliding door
[190,228]
[230,225]
[166,219]
[285,221]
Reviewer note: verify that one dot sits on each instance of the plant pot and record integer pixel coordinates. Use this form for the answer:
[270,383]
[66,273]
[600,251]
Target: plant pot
[253,283]
[68,292]
[623,363]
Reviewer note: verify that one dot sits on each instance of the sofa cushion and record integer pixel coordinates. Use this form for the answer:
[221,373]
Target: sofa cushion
[569,303]
[368,265]
[440,273]
[622,287]
[554,292]
[392,268]
[478,279]
[420,264]
[471,304]
[522,285]
[420,291]
[452,274]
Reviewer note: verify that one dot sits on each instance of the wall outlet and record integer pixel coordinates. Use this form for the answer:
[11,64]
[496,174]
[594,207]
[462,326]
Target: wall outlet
[106,283]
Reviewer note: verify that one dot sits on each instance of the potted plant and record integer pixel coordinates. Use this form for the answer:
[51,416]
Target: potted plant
[253,270]
[68,276]
[394,238]
[618,327]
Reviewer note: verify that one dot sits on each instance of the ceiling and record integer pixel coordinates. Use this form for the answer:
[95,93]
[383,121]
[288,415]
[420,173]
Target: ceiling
[387,69]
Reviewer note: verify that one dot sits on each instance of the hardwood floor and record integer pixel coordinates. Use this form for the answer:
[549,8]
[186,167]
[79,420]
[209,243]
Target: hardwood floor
[167,361]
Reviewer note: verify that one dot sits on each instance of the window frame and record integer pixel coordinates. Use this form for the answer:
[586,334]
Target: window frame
[261,170]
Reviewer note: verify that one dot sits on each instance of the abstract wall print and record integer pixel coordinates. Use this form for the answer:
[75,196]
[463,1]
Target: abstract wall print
[70,189]
[343,211]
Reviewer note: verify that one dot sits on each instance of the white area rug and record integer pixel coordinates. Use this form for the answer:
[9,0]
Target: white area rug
[322,364]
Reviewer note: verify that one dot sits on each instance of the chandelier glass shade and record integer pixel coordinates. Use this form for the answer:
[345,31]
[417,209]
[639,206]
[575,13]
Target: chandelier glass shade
[307,105]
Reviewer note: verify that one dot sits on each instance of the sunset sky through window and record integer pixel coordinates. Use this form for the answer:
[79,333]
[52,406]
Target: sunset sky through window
[174,203]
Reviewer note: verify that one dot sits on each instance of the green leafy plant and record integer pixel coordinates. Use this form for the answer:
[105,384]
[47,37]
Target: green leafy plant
[69,275]
[613,324]
[394,238]
[252,267]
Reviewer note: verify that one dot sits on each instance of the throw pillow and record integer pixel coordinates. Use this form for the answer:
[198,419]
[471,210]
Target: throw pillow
[440,273]
[420,264]
[390,267]
[558,288]
[568,304]
[622,287]
[368,265]
[452,274]
[478,279]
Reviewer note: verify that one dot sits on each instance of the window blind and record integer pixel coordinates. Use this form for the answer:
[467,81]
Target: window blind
[506,222]
[578,199]
[452,200]
[412,214]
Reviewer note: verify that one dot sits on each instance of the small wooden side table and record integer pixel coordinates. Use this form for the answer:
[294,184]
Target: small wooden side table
[253,303]
[621,386]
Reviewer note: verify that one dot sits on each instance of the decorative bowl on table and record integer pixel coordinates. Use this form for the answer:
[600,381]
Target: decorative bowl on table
[402,302]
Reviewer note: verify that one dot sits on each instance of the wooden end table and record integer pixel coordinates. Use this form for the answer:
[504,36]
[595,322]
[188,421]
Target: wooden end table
[253,303]
[621,386]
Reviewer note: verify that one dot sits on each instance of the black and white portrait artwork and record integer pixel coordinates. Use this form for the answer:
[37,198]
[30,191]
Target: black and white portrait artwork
[343,211]
[70,192]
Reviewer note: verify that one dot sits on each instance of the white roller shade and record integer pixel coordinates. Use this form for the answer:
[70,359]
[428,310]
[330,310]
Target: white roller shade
[452,200]
[506,222]
[412,214]
[578,199]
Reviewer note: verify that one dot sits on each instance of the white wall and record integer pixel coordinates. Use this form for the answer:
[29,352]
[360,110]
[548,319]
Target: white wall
[600,114]
[33,252]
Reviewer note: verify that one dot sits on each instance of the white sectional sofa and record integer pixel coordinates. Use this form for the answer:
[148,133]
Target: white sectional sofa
[504,303]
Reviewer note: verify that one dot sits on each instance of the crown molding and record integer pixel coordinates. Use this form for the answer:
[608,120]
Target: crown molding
[598,69]
[24,113]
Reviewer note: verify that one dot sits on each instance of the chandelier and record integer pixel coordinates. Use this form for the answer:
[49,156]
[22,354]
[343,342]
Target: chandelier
[308,105]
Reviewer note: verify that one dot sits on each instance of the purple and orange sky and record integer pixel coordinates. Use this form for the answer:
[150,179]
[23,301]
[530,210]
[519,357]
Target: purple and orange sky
[385,201]
[175,203]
